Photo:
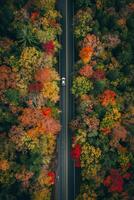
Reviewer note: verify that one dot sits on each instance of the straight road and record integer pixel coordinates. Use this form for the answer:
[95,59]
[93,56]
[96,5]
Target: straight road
[65,186]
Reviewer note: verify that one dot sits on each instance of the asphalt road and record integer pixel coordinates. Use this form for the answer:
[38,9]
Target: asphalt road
[65,185]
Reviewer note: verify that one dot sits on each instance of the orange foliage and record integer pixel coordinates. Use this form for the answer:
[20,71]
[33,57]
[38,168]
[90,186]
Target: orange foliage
[46,178]
[50,125]
[108,97]
[46,74]
[86,71]
[34,133]
[36,118]
[30,117]
[86,54]
[91,41]
[4,165]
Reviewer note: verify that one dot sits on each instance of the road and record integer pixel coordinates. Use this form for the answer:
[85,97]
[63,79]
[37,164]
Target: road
[65,185]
